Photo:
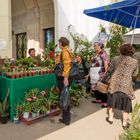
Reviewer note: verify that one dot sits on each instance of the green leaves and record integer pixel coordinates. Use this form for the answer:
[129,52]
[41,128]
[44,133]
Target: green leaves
[5,104]
[133,132]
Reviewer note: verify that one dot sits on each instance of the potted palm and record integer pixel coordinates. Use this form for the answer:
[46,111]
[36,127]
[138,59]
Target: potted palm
[4,106]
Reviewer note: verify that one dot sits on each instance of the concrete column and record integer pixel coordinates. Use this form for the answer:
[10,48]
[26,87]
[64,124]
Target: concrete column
[5,29]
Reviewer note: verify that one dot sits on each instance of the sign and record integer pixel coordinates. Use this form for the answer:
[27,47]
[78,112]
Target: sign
[3,44]
[103,37]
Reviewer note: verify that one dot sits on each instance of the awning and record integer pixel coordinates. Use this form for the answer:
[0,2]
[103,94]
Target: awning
[125,13]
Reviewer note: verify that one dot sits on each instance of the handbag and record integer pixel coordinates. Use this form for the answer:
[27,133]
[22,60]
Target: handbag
[64,100]
[101,87]
[58,70]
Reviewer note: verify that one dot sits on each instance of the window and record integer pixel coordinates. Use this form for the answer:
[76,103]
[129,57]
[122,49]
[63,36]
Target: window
[48,36]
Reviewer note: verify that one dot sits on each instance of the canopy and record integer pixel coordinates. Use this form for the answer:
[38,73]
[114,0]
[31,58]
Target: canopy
[125,13]
[127,37]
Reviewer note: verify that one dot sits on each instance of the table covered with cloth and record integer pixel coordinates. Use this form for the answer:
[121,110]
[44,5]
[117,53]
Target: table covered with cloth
[18,87]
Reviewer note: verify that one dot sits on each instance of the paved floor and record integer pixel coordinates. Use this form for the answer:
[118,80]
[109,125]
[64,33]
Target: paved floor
[92,127]
[88,123]
[21,131]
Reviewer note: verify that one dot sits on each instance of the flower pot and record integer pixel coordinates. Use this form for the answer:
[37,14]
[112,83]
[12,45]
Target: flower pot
[21,75]
[38,113]
[33,73]
[12,76]
[26,115]
[25,74]
[4,119]
[16,120]
[41,72]
[34,114]
[17,75]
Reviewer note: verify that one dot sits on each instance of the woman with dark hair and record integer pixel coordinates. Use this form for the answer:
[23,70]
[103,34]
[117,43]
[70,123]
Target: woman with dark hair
[120,88]
[97,70]
[66,58]
[83,70]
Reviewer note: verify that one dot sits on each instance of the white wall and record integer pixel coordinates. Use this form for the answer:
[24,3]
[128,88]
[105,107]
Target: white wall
[5,28]
[71,12]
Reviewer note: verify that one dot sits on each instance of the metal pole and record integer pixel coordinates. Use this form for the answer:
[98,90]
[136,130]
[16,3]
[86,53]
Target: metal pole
[137,12]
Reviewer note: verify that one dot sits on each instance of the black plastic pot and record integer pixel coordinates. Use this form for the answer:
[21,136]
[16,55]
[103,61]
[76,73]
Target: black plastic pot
[4,119]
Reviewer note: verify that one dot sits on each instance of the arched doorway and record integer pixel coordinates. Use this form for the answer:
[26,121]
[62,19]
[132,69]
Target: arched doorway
[33,25]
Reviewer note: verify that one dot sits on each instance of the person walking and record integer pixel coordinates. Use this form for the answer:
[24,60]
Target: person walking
[65,80]
[97,70]
[120,88]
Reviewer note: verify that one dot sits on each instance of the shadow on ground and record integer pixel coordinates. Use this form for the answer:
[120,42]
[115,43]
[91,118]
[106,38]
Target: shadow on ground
[22,131]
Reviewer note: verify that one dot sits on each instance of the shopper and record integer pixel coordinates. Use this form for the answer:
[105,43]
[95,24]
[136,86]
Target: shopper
[65,80]
[97,70]
[120,88]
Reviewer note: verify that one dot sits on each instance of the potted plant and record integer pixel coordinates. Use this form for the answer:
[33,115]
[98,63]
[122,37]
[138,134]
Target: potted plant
[4,105]
[17,113]
[26,108]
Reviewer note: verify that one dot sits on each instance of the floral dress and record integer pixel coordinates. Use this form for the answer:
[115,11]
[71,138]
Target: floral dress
[97,69]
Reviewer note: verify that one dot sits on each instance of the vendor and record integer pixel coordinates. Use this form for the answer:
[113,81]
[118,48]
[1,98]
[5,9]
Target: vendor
[31,53]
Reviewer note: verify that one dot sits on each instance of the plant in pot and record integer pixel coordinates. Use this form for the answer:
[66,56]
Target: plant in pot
[26,108]
[35,108]
[4,106]
[17,113]
[52,98]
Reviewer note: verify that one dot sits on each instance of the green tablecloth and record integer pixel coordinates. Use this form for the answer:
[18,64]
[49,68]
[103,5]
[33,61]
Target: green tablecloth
[19,87]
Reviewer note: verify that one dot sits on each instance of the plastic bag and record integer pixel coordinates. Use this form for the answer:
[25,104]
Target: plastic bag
[64,100]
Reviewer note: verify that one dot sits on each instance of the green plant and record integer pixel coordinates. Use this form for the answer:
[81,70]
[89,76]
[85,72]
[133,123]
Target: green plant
[77,93]
[133,132]
[4,105]
[52,97]
[102,29]
[116,33]
[82,45]
[51,46]
[17,110]
[26,107]
[138,72]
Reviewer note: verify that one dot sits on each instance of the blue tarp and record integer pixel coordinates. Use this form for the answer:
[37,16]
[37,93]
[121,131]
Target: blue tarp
[125,13]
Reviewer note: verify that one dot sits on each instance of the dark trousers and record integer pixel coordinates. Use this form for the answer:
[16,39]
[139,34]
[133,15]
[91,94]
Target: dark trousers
[101,96]
[65,114]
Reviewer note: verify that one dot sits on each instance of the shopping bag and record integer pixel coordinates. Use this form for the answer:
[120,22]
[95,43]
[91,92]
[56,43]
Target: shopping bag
[64,100]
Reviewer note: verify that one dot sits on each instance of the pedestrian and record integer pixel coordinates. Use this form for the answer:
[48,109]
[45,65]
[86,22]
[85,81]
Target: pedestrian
[65,80]
[98,68]
[120,89]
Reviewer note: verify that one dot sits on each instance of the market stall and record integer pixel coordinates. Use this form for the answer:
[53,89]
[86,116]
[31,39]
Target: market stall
[18,87]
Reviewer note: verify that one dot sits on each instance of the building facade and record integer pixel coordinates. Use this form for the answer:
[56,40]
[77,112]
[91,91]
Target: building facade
[28,24]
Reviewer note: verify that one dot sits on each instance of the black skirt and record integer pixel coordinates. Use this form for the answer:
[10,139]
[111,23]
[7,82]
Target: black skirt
[120,101]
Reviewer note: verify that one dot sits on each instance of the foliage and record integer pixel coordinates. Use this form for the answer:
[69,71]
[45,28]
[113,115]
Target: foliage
[36,100]
[133,132]
[52,97]
[102,29]
[4,105]
[77,93]
[138,72]
[81,43]
[51,46]
[116,33]
[25,62]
